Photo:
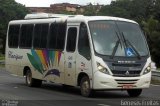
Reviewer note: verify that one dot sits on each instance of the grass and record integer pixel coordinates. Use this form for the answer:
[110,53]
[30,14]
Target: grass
[158,69]
[2,57]
[2,65]
[154,81]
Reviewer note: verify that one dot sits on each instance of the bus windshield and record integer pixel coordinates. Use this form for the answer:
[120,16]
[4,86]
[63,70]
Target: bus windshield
[118,38]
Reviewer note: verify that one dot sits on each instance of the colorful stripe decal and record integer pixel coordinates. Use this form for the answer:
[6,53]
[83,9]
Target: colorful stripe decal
[45,60]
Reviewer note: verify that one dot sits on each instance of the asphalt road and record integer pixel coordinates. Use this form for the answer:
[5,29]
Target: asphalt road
[14,92]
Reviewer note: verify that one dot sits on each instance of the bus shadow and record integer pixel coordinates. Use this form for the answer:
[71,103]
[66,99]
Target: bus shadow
[76,91]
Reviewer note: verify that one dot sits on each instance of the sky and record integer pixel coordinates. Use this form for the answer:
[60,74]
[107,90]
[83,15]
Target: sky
[46,3]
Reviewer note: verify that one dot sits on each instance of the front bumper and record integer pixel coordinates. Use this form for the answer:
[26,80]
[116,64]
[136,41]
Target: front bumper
[103,81]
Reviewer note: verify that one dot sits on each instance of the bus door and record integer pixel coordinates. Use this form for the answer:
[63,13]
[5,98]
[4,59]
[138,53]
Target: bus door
[83,59]
[70,55]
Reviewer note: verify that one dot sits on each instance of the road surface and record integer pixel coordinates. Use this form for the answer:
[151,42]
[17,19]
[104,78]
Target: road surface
[14,92]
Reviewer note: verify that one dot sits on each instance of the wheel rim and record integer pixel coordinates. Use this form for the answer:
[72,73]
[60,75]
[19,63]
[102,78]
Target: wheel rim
[29,77]
[85,88]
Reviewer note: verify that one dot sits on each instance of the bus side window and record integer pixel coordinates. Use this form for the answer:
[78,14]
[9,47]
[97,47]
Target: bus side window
[83,42]
[26,36]
[13,36]
[71,39]
[40,35]
[52,36]
[44,34]
[61,36]
[57,36]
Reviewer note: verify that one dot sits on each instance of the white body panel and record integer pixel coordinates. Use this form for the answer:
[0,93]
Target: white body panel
[103,81]
[16,60]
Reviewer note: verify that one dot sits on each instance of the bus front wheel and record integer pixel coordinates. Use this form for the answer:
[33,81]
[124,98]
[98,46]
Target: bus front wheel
[134,92]
[31,82]
[85,87]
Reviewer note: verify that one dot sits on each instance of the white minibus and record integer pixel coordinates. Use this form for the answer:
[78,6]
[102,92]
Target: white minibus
[93,52]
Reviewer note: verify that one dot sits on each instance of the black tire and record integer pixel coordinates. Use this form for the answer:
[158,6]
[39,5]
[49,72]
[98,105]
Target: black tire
[134,92]
[86,91]
[31,82]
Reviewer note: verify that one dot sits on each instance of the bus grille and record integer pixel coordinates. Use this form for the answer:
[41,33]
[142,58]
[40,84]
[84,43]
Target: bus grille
[126,81]
[126,65]
[119,73]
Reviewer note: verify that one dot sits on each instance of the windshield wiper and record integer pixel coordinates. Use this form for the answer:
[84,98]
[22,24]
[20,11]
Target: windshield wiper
[116,46]
[130,44]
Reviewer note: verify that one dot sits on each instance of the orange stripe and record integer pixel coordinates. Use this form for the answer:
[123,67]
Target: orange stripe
[40,54]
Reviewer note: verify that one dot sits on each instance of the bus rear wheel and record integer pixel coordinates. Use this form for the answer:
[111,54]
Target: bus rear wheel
[85,87]
[134,92]
[31,82]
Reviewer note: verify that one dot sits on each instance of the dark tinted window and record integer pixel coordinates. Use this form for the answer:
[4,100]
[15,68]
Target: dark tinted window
[26,36]
[57,36]
[13,35]
[83,42]
[40,35]
[52,36]
[61,36]
[71,39]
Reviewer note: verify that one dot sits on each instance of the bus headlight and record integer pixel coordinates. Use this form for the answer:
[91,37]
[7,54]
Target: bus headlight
[147,70]
[102,69]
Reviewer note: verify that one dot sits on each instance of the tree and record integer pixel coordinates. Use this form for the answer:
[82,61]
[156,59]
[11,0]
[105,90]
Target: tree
[137,10]
[157,9]
[9,10]
[152,33]
[113,11]
[90,10]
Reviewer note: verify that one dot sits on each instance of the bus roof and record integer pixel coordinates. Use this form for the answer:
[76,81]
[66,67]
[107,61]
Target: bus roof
[44,17]
[96,18]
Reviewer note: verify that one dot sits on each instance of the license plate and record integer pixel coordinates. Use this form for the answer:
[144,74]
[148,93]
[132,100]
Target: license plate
[127,86]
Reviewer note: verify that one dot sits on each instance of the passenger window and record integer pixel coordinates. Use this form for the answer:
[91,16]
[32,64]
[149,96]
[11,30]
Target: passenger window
[83,42]
[40,35]
[57,36]
[71,39]
[26,36]
[52,36]
[61,36]
[44,34]
[13,36]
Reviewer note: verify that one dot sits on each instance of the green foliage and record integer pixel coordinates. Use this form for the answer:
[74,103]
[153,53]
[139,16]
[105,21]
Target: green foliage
[114,11]
[133,9]
[9,10]
[90,10]
[153,34]
[157,9]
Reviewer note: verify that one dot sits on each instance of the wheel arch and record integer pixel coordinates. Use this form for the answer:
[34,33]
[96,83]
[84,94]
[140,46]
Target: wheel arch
[25,69]
[80,76]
